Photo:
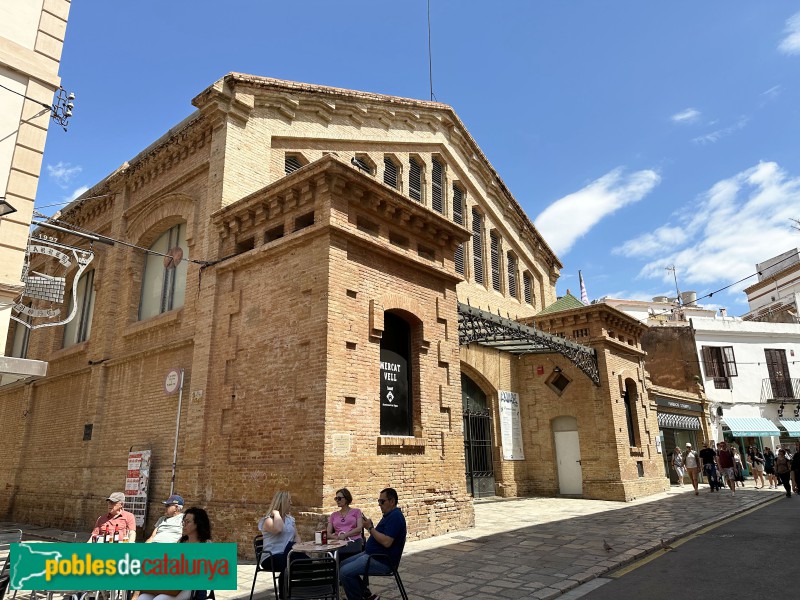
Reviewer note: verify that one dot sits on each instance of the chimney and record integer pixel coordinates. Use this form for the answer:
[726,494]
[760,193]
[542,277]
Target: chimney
[723,312]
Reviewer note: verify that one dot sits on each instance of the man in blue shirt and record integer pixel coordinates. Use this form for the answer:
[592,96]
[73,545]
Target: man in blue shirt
[388,538]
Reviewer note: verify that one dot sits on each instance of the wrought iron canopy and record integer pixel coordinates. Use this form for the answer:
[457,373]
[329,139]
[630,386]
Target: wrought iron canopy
[482,327]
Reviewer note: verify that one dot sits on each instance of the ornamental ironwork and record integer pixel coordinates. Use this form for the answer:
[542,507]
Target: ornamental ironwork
[486,329]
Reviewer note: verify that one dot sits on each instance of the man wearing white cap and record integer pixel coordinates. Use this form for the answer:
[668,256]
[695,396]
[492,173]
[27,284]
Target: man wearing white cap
[692,463]
[117,521]
[169,528]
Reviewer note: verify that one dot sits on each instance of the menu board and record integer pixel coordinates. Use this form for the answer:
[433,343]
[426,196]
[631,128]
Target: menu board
[510,426]
[137,481]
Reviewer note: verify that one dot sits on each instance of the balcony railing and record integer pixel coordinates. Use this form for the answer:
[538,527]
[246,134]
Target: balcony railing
[780,389]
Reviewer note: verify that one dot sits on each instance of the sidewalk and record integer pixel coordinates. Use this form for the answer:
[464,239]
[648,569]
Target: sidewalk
[533,547]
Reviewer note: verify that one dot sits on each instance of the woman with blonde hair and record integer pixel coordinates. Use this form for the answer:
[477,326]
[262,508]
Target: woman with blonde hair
[280,534]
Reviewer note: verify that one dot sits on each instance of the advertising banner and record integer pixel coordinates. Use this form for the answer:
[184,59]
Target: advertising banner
[510,426]
[137,482]
[394,394]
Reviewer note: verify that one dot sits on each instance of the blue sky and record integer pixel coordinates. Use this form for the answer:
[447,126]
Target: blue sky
[635,135]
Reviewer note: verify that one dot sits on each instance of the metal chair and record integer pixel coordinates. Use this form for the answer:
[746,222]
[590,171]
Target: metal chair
[388,562]
[258,546]
[7,537]
[316,578]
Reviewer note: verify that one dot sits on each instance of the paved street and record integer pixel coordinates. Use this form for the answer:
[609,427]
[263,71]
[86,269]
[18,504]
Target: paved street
[537,547]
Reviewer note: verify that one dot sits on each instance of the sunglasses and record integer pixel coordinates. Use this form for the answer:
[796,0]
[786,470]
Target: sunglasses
[381,501]
[337,498]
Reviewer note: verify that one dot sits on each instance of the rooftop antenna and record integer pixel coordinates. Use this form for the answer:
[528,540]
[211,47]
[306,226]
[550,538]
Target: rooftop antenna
[430,60]
[675,276]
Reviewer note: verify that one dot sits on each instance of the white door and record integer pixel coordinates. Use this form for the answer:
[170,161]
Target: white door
[568,458]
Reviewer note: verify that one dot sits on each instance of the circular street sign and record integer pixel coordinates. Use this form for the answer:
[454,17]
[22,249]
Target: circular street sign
[172,381]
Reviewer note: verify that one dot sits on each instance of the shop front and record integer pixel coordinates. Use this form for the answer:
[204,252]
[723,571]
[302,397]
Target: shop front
[679,423]
[744,432]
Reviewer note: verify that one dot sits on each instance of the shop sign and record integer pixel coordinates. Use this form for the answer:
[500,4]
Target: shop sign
[394,394]
[678,404]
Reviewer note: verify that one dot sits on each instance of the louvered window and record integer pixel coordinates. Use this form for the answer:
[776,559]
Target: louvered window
[477,245]
[414,180]
[459,259]
[292,163]
[458,205]
[362,164]
[495,250]
[389,172]
[527,285]
[437,186]
[512,274]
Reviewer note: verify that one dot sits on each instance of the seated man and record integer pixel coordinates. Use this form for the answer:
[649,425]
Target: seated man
[169,528]
[116,520]
[388,538]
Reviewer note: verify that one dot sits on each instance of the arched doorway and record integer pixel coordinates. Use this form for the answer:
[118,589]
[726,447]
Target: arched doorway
[477,439]
[568,456]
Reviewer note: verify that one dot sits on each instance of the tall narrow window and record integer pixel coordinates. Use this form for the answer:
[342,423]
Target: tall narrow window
[527,285]
[512,275]
[458,217]
[396,379]
[22,336]
[164,288]
[477,245]
[389,172]
[80,327]
[495,258]
[437,186]
[414,179]
[719,363]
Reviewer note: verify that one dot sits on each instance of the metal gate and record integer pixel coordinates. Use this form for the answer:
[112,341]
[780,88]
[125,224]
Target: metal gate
[478,453]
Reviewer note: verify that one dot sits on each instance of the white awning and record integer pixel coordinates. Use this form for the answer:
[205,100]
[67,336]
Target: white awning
[672,421]
[750,426]
[792,426]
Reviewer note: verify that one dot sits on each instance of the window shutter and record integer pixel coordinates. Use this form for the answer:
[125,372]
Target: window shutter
[389,172]
[292,164]
[458,205]
[459,259]
[437,184]
[495,250]
[730,361]
[477,245]
[512,275]
[709,365]
[528,288]
[362,164]
[414,180]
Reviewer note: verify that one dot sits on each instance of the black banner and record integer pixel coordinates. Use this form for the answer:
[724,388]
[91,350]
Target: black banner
[394,394]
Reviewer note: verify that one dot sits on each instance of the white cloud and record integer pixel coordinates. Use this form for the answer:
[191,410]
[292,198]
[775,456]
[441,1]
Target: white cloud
[62,173]
[718,134]
[687,115]
[740,221]
[76,192]
[791,43]
[569,218]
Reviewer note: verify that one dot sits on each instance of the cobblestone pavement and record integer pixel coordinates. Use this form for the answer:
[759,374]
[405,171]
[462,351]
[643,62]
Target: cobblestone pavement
[534,547]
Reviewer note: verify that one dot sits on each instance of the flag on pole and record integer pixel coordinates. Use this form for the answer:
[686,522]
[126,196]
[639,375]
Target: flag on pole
[584,295]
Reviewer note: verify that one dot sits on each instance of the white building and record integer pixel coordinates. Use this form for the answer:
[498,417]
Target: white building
[776,295]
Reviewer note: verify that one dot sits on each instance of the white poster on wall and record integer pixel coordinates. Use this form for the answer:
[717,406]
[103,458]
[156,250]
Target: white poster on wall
[510,426]
[137,482]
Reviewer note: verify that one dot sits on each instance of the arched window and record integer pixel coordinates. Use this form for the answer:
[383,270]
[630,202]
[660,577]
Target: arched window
[164,288]
[631,398]
[80,327]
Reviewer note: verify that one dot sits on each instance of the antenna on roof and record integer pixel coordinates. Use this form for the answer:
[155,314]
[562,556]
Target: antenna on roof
[430,60]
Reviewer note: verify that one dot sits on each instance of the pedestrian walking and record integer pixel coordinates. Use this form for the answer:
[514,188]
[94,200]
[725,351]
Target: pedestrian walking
[738,467]
[677,464]
[796,471]
[782,469]
[756,462]
[709,457]
[692,463]
[769,468]
[726,465]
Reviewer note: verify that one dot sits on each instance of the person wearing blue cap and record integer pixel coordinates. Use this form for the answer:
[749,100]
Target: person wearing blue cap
[169,528]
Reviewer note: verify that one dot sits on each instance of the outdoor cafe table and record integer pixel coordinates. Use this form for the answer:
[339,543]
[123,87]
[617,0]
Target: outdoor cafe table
[332,547]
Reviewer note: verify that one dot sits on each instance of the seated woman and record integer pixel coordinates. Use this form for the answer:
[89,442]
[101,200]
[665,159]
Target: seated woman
[346,524]
[196,529]
[280,534]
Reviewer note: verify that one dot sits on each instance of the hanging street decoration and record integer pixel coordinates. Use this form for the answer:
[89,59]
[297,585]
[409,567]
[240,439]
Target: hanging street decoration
[48,265]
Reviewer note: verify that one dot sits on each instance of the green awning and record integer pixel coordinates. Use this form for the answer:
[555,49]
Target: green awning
[792,426]
[750,426]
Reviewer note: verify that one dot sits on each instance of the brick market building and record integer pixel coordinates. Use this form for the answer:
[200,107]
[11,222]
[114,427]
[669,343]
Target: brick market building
[345,258]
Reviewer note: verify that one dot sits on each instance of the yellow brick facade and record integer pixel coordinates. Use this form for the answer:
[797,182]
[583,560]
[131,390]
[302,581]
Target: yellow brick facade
[281,327]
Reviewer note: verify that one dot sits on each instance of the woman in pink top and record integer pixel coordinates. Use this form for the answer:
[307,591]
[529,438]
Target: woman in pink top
[346,524]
